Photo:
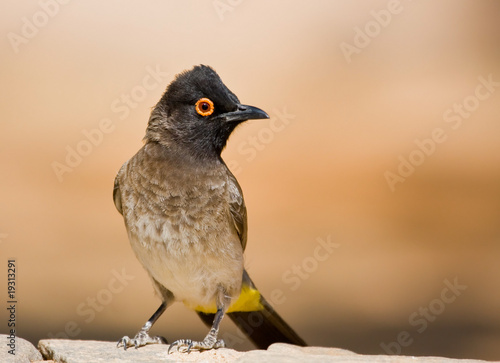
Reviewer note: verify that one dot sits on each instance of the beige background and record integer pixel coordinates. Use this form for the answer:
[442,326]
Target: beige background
[321,175]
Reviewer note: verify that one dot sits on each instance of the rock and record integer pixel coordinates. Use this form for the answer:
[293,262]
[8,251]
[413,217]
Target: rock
[85,351]
[25,351]
[79,351]
[290,354]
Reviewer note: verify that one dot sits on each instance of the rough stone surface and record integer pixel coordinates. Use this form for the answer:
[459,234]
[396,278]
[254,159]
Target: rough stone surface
[85,351]
[78,351]
[290,354]
[25,351]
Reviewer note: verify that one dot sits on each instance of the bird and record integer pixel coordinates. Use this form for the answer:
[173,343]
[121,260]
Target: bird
[186,218]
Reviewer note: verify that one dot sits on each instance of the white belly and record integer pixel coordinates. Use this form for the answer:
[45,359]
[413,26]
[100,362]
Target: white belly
[193,269]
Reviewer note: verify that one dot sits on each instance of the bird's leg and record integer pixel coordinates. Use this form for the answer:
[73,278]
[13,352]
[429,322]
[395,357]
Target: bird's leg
[142,337]
[210,341]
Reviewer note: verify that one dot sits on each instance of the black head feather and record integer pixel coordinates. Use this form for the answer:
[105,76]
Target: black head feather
[175,123]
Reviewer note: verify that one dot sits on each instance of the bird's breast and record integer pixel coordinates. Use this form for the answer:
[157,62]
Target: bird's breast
[181,230]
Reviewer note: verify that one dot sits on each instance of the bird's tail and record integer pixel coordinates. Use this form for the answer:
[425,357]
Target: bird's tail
[263,326]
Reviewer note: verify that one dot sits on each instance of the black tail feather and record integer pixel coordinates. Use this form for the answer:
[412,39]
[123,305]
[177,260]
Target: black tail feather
[265,327]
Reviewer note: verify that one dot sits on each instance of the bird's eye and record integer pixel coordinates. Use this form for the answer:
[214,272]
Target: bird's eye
[204,107]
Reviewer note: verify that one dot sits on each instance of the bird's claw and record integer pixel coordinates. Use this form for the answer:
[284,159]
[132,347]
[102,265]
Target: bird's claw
[185,345]
[141,339]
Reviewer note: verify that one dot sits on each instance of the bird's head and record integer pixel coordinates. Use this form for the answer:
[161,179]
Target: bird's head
[197,113]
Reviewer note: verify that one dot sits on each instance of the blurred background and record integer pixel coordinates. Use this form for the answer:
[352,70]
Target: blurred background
[373,192]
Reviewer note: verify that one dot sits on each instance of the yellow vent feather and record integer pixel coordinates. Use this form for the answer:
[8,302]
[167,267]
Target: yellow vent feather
[249,300]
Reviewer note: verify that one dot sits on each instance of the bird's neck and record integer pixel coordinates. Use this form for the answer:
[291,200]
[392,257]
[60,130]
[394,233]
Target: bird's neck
[181,156]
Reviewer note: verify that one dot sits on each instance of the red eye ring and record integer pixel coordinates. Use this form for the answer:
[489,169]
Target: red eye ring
[204,107]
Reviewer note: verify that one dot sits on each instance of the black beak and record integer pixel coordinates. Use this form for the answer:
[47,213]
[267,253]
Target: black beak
[243,113]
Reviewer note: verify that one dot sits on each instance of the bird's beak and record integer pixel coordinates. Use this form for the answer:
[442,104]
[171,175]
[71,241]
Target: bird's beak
[245,112]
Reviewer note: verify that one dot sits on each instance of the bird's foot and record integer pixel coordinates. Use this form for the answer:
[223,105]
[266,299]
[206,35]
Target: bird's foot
[185,345]
[141,339]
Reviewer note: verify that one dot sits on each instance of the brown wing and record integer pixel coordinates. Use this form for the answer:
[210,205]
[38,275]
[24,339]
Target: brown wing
[238,209]
[117,197]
